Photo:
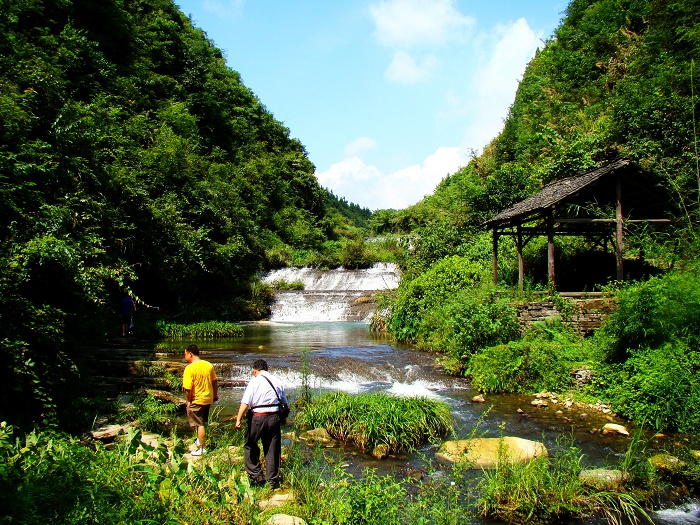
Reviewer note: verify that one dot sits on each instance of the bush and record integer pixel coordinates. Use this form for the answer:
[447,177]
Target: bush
[471,323]
[48,477]
[652,313]
[417,298]
[659,386]
[542,360]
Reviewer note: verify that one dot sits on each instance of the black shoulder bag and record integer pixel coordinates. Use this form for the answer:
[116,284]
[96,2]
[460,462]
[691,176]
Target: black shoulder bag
[284,407]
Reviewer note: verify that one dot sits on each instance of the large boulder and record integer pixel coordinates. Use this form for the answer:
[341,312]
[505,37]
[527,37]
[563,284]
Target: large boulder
[483,452]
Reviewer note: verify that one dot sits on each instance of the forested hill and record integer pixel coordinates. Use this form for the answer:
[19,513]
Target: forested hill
[617,78]
[131,156]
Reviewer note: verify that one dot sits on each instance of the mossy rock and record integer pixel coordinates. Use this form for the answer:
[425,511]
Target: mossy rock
[318,436]
[484,452]
[602,479]
[667,463]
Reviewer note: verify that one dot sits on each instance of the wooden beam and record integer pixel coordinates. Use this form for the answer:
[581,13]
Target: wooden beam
[521,262]
[495,257]
[550,246]
[618,233]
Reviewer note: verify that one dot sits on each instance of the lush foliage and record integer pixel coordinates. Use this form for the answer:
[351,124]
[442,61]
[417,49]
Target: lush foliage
[659,386]
[132,157]
[47,477]
[616,79]
[417,298]
[651,313]
[378,423]
[542,361]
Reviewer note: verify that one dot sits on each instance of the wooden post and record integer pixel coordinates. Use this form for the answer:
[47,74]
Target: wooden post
[495,257]
[521,263]
[618,234]
[550,246]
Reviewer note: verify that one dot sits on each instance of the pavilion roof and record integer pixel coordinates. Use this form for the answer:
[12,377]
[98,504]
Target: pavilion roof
[556,193]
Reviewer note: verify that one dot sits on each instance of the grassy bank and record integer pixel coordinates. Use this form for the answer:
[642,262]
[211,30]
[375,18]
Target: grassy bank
[49,477]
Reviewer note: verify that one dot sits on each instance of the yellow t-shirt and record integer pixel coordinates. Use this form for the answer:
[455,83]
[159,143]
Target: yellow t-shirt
[199,377]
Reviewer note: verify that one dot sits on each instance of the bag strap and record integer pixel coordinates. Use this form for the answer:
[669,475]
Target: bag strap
[276,394]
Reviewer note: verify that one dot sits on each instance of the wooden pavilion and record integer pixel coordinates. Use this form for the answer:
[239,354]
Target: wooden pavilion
[577,206]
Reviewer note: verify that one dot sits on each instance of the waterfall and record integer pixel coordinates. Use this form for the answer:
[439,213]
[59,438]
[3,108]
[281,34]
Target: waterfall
[330,295]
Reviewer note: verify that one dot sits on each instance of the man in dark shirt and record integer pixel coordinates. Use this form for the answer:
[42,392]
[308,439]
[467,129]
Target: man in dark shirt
[127,309]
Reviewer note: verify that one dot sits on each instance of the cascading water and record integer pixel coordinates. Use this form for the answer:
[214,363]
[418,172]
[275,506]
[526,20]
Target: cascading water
[330,295]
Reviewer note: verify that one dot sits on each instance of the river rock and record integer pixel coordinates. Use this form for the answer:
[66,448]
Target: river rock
[277,500]
[167,397]
[478,399]
[483,452]
[284,519]
[380,451]
[107,433]
[318,436]
[539,403]
[602,479]
[667,462]
[614,428]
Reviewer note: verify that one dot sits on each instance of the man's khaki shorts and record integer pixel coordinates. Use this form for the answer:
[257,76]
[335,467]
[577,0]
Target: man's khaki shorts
[198,415]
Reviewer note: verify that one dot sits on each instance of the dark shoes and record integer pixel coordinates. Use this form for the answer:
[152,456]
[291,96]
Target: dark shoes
[254,482]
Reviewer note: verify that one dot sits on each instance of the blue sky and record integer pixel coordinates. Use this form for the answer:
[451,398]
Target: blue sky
[387,96]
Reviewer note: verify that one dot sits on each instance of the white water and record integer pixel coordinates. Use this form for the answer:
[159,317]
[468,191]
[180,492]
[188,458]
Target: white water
[330,295]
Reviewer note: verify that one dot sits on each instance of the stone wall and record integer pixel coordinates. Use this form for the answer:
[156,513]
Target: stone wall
[585,313]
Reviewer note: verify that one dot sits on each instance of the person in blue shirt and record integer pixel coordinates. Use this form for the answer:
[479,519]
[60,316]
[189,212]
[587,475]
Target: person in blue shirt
[262,396]
[126,311]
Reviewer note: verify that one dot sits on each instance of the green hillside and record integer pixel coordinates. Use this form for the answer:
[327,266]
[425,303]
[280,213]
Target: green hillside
[132,157]
[618,78]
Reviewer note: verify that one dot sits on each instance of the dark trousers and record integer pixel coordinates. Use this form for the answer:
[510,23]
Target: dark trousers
[267,430]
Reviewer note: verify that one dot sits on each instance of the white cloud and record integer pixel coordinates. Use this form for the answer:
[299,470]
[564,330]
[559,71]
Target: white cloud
[405,70]
[402,23]
[224,8]
[358,145]
[487,98]
[367,186]
[346,173]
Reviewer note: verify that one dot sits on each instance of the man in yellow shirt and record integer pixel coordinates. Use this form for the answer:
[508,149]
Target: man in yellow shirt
[201,390]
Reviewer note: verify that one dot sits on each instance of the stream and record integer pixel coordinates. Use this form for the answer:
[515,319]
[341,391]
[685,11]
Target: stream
[343,355]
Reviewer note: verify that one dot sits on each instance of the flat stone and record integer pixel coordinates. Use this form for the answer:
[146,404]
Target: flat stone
[107,433]
[284,519]
[614,428]
[478,399]
[483,452]
[666,462]
[277,500]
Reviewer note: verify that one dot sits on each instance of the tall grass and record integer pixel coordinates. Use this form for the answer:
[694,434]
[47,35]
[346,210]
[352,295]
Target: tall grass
[549,490]
[203,330]
[376,420]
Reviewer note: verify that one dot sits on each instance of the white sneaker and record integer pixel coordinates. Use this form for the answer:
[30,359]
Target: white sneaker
[199,452]
[196,442]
